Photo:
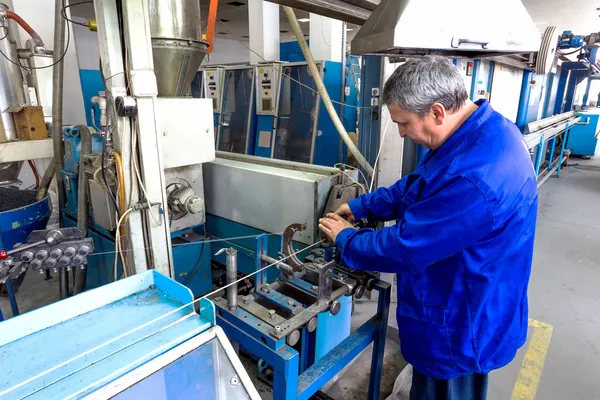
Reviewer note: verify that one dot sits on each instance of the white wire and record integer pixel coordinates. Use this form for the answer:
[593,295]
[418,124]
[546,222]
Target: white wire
[119,337]
[137,174]
[353,168]
[379,153]
[118,241]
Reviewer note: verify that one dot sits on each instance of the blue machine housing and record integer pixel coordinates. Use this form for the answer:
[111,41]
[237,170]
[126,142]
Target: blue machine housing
[583,140]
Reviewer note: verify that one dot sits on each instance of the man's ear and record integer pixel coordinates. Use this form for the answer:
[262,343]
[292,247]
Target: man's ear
[439,113]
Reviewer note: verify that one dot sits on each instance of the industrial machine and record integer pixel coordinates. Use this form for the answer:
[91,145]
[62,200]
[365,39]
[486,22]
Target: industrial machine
[583,137]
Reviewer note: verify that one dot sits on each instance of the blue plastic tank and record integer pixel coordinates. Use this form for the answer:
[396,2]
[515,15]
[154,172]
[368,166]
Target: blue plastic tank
[16,223]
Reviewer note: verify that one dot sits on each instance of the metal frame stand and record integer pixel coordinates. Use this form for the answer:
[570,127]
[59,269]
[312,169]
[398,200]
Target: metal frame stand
[289,383]
[295,374]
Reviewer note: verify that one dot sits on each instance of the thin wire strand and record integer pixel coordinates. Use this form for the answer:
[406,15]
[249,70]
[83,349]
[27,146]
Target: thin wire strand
[185,317]
[192,243]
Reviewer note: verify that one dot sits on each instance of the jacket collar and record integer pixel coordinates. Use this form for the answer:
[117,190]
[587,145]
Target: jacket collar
[475,120]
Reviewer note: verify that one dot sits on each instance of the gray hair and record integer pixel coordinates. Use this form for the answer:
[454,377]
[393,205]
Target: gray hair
[419,83]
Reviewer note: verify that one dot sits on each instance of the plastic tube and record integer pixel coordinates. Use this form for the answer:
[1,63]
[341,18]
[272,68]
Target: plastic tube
[312,66]
[36,38]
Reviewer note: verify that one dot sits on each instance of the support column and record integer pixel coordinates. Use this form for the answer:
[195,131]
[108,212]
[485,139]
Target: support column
[263,20]
[326,38]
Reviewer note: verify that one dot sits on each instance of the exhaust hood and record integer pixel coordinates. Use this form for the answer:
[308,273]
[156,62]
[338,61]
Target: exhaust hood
[454,28]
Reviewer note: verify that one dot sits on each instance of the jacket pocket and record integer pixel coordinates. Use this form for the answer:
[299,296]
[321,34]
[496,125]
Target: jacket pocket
[424,338]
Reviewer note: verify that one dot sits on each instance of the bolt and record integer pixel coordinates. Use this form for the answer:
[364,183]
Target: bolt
[266,289]
[293,338]
[234,381]
[291,303]
[315,287]
[335,307]
[64,261]
[312,324]
[84,250]
[50,263]
[78,259]
[277,328]
[56,253]
[41,255]
[27,256]
[70,252]
[272,314]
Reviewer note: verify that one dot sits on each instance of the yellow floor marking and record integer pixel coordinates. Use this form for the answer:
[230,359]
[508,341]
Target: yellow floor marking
[530,374]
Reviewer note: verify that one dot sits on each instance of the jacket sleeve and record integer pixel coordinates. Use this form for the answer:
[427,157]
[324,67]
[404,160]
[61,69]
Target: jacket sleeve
[383,204]
[431,230]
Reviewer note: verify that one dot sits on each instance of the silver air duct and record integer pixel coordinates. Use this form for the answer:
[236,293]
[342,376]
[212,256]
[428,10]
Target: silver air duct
[177,45]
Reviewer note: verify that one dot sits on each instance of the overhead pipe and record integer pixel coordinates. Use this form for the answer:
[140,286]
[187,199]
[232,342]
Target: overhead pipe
[82,199]
[312,66]
[57,107]
[212,22]
[336,9]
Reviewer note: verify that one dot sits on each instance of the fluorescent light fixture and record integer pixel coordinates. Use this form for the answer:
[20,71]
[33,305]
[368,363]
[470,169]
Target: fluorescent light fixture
[303,19]
[349,29]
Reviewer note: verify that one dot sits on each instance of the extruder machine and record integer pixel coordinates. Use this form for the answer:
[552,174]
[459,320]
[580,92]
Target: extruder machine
[156,222]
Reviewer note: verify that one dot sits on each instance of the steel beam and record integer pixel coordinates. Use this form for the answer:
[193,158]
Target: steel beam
[336,9]
[115,86]
[136,21]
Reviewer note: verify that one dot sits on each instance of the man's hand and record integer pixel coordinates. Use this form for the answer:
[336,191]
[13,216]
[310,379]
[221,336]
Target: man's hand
[333,224]
[345,212]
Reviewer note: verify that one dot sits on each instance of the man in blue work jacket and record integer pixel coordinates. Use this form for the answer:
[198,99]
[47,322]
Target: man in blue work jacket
[463,242]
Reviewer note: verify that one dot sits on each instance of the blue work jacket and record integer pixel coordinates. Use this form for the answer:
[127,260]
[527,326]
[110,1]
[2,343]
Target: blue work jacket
[462,248]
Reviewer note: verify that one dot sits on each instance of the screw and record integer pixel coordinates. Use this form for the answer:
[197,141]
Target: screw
[291,303]
[272,314]
[266,290]
[234,381]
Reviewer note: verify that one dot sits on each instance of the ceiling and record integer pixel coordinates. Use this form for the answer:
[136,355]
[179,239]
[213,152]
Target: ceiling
[234,19]
[581,16]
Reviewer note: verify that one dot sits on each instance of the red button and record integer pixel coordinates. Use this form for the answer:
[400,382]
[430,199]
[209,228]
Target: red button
[266,92]
[3,255]
[212,94]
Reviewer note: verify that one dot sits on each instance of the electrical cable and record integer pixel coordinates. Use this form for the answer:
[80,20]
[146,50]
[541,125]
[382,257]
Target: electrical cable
[103,166]
[569,53]
[146,324]
[118,243]
[379,153]
[63,13]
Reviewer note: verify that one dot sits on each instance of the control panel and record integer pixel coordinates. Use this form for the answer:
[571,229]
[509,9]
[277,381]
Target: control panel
[213,86]
[267,88]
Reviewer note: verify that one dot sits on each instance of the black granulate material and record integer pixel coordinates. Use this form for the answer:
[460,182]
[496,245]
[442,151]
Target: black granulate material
[15,198]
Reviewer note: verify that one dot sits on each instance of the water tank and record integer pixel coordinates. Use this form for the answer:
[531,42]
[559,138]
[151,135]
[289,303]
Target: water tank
[177,45]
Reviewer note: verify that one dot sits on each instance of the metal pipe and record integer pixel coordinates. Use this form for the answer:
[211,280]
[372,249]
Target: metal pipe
[312,67]
[57,102]
[82,200]
[230,276]
[336,9]
[46,180]
[12,92]
[279,264]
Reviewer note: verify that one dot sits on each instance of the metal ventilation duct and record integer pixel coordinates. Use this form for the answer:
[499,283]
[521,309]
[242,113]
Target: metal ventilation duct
[177,45]
[459,28]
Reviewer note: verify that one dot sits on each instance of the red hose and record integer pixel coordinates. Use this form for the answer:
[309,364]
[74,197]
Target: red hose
[35,173]
[36,38]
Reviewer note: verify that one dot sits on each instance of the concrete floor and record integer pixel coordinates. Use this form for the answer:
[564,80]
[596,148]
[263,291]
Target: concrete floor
[563,292]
